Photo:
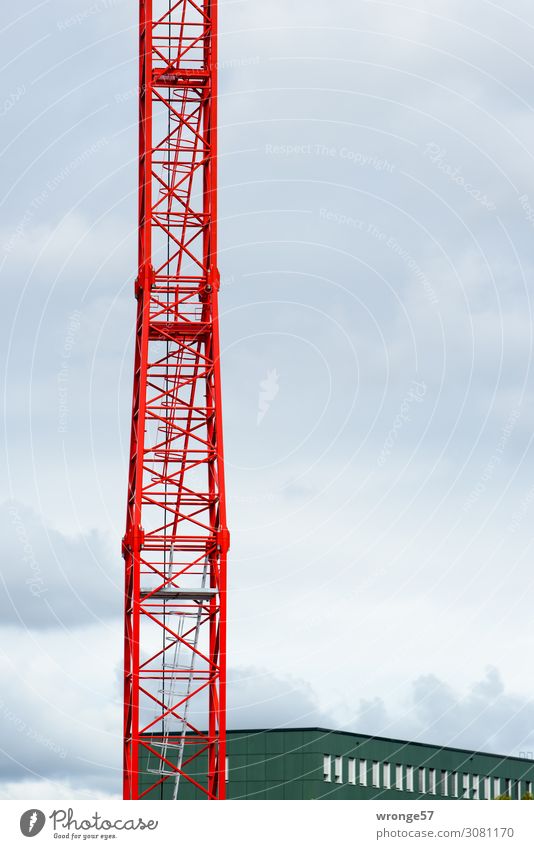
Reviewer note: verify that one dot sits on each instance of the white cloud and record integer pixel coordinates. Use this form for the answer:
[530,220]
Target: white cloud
[60,719]
[48,789]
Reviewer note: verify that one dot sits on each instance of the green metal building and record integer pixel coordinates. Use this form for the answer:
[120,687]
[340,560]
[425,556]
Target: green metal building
[317,763]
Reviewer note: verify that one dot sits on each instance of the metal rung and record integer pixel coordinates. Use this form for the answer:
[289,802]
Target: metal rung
[195,594]
[162,772]
[185,614]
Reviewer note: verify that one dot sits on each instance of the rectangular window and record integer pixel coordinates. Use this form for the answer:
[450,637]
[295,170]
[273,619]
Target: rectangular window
[465,785]
[363,773]
[327,768]
[476,787]
[398,777]
[352,770]
[455,785]
[422,779]
[376,774]
[487,788]
[409,779]
[496,787]
[444,782]
[432,780]
[387,775]
[227,769]
[508,785]
[338,770]
[529,787]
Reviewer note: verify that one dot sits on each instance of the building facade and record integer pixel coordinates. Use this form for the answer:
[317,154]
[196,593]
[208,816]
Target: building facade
[317,763]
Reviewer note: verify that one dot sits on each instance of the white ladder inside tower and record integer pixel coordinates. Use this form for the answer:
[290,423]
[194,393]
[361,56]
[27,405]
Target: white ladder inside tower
[170,691]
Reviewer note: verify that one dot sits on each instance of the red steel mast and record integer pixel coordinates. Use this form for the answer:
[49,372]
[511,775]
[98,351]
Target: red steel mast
[176,540]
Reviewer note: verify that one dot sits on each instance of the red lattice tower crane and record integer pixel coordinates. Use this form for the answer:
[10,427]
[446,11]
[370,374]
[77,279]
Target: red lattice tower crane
[176,540]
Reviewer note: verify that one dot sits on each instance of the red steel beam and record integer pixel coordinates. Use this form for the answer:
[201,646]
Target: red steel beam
[176,537]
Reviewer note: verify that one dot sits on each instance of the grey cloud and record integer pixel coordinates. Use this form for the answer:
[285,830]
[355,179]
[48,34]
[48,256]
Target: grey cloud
[259,698]
[486,716]
[51,580]
[58,758]
[52,749]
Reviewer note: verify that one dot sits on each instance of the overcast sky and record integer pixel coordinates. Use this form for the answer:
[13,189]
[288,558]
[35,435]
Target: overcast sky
[376,231]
